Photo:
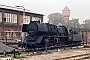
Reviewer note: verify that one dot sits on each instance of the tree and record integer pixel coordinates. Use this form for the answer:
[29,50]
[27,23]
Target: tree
[86,24]
[74,23]
[56,18]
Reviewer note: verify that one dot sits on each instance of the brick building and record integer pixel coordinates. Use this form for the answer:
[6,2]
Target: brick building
[11,20]
[66,14]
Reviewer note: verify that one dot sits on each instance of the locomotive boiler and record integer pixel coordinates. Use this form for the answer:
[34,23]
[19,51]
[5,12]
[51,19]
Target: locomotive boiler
[45,35]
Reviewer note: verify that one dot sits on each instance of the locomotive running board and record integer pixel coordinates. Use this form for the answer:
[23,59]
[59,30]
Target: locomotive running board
[56,36]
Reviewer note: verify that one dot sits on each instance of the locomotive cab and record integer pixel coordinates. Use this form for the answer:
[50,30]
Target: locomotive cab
[74,36]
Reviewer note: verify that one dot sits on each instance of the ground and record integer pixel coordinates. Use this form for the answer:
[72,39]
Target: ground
[68,54]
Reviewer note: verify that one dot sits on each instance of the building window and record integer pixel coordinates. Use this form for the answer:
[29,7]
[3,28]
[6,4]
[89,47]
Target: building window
[0,16]
[14,34]
[8,34]
[36,19]
[8,17]
[26,20]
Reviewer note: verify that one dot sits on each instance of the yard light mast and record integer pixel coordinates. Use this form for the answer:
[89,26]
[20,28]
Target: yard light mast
[22,34]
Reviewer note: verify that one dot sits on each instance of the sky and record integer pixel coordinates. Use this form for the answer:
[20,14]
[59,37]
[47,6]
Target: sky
[79,8]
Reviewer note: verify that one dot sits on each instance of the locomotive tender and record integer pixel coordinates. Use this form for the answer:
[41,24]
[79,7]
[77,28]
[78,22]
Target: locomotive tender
[45,35]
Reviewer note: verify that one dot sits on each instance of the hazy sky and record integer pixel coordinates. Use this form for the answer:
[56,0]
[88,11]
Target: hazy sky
[79,8]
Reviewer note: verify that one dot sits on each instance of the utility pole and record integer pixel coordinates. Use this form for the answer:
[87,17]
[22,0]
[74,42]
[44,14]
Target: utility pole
[22,34]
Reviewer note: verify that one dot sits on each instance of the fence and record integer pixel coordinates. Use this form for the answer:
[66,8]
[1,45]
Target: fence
[10,37]
[57,48]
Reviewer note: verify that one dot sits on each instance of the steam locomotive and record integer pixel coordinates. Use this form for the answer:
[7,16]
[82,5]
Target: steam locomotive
[46,35]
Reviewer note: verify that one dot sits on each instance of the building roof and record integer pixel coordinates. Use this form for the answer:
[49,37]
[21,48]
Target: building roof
[66,8]
[18,9]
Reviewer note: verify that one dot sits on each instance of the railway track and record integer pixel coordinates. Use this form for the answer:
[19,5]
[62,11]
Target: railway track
[77,57]
[67,54]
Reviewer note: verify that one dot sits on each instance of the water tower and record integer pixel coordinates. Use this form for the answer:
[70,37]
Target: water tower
[66,14]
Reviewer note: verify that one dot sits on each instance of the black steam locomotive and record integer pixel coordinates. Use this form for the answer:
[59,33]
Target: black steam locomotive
[45,35]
